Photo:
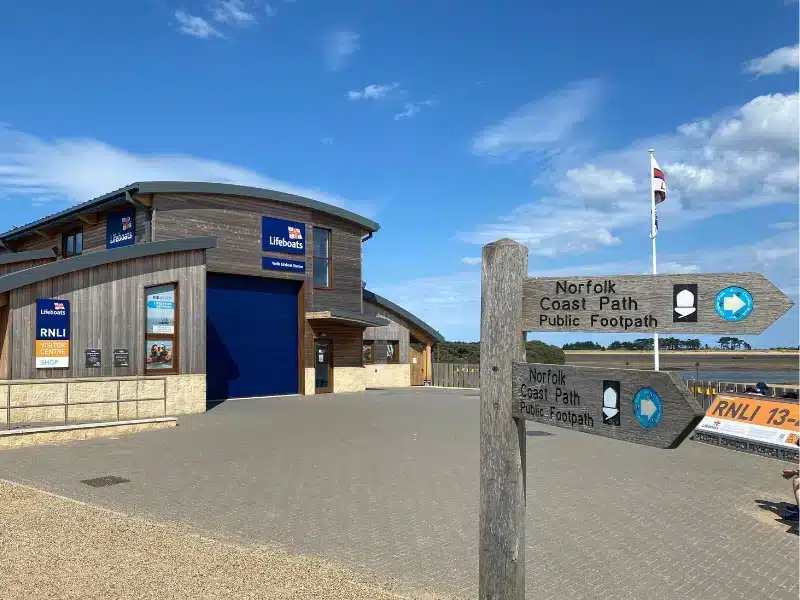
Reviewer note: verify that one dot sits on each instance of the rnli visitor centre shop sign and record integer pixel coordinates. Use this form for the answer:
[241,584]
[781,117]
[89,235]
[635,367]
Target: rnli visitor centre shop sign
[120,229]
[52,333]
[287,237]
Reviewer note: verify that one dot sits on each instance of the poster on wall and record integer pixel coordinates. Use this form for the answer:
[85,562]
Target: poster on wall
[159,354]
[122,357]
[161,309]
[52,333]
[93,358]
[278,235]
[120,229]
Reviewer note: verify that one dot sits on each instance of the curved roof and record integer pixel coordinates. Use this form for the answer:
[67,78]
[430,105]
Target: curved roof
[399,310]
[190,187]
[49,270]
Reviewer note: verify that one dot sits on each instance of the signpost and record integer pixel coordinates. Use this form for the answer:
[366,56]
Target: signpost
[653,408]
[701,303]
[643,407]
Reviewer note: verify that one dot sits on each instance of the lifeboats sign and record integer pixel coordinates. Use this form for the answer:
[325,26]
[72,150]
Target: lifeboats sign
[52,333]
[277,235]
[121,229]
[753,418]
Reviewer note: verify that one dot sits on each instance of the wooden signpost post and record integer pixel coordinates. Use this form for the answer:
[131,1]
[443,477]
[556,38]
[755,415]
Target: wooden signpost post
[643,407]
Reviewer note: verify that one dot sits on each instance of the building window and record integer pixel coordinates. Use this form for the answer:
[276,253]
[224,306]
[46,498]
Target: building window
[161,329]
[392,352]
[323,275]
[368,353]
[72,243]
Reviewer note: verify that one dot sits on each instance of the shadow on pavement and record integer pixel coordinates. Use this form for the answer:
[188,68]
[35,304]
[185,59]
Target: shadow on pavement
[539,433]
[787,513]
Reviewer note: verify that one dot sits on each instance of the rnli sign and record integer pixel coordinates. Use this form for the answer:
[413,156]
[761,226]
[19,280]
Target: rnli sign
[277,235]
[52,333]
[754,418]
[121,229]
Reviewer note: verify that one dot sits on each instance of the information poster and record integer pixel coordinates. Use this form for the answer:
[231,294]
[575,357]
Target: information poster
[161,309]
[159,354]
[753,418]
[122,357]
[93,358]
[52,333]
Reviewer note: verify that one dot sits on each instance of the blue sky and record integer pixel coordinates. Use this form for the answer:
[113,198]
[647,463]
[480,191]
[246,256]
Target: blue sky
[450,123]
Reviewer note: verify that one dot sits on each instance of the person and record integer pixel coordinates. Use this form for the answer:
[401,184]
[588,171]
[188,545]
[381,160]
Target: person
[794,475]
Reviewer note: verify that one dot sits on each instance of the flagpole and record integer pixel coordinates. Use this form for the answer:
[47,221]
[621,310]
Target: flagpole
[653,239]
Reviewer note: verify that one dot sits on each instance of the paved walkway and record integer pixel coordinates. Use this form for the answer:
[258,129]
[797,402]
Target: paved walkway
[386,483]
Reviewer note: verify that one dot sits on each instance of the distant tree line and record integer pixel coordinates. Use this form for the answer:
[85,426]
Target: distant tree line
[664,343]
[470,353]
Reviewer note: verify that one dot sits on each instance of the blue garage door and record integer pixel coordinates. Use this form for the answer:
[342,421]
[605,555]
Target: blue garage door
[251,336]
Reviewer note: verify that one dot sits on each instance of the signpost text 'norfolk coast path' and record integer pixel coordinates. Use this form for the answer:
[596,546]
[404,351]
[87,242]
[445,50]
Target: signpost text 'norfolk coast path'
[644,407]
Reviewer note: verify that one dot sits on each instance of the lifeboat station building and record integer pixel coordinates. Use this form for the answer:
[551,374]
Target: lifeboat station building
[159,297]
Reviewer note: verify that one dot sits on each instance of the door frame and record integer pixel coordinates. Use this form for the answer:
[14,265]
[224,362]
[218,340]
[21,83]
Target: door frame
[328,342]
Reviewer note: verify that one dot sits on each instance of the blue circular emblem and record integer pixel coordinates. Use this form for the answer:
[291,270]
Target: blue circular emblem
[647,407]
[734,303]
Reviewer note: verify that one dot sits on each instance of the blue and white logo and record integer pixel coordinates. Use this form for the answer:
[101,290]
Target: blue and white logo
[734,303]
[278,235]
[647,407]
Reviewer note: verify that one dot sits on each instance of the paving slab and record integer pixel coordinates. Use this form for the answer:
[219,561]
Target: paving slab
[386,483]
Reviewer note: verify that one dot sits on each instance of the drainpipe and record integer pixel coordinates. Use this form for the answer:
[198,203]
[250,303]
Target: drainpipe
[148,225]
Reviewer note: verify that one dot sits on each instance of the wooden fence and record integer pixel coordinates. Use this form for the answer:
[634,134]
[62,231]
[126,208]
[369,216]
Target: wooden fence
[456,375]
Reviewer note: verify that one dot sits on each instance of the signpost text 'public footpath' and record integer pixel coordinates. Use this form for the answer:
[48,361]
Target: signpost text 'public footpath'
[644,407]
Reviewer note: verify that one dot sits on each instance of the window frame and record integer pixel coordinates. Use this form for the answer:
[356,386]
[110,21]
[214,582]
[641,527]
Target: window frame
[329,258]
[173,337]
[71,233]
[370,343]
[396,359]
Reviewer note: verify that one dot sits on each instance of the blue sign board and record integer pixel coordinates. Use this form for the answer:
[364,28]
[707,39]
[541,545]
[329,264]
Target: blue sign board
[121,229]
[734,303]
[52,333]
[647,407]
[278,235]
[283,264]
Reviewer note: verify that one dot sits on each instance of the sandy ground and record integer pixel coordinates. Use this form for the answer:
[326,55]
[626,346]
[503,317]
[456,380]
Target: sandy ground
[52,547]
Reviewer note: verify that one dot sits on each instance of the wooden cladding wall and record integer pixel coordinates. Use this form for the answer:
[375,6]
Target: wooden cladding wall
[345,253]
[25,264]
[236,223]
[108,311]
[94,232]
[397,330]
[346,344]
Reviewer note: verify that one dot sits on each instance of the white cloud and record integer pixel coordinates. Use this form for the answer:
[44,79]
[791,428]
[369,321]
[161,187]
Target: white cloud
[471,260]
[784,225]
[327,141]
[270,10]
[337,48]
[540,125]
[232,12]
[411,109]
[729,162]
[777,61]
[78,169]
[591,182]
[195,26]
[374,91]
